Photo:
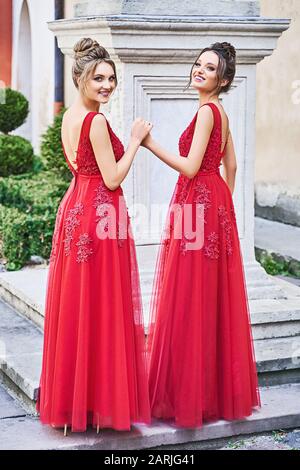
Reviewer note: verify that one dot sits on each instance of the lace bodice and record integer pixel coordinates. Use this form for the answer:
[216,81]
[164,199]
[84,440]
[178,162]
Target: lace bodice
[212,157]
[86,163]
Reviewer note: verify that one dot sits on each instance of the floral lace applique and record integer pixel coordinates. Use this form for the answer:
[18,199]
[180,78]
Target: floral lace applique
[202,195]
[83,251]
[167,235]
[103,196]
[210,162]
[55,235]
[85,160]
[211,157]
[102,199]
[182,246]
[71,223]
[182,190]
[226,224]
[117,145]
[186,138]
[211,250]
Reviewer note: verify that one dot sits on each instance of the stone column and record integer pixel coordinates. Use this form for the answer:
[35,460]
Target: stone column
[154,46]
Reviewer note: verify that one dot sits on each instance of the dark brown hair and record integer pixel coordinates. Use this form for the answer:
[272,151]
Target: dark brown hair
[87,55]
[227,64]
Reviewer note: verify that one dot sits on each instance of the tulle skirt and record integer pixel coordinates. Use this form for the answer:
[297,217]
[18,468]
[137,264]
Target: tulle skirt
[94,358]
[200,348]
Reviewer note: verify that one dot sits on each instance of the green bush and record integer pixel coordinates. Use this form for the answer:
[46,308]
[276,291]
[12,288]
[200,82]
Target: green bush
[14,111]
[16,155]
[29,201]
[23,235]
[33,193]
[14,237]
[28,207]
[51,149]
[275,264]
[37,164]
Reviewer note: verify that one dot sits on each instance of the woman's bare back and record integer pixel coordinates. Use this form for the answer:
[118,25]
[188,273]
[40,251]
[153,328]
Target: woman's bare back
[70,133]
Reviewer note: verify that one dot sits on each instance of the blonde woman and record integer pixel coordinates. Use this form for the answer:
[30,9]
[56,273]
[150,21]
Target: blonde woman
[93,370]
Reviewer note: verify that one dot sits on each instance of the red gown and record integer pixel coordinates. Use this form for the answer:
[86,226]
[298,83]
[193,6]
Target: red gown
[94,358]
[201,356]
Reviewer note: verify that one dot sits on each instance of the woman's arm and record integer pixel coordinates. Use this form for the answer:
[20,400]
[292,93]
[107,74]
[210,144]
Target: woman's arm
[114,172]
[190,165]
[229,163]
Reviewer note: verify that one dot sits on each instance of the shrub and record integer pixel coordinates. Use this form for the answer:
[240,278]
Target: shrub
[14,111]
[16,155]
[14,237]
[28,206]
[32,193]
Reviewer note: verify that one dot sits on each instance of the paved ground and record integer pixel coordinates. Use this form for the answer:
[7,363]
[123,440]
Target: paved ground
[292,280]
[277,440]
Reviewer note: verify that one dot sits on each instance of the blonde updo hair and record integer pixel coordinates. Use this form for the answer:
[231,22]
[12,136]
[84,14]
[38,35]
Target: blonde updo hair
[87,55]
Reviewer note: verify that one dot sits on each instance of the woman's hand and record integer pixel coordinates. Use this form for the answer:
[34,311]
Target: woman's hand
[140,129]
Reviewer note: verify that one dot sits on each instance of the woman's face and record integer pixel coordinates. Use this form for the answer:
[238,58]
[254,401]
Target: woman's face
[101,84]
[204,72]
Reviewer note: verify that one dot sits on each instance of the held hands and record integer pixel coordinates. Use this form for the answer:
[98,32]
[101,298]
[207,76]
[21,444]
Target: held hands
[147,141]
[140,129]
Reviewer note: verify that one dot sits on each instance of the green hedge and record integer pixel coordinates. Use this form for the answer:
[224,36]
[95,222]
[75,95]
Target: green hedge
[28,206]
[29,201]
[32,193]
[13,237]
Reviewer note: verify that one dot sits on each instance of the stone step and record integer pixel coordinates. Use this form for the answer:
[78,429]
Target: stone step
[278,360]
[21,342]
[275,318]
[263,292]
[280,410]
[277,353]
[24,290]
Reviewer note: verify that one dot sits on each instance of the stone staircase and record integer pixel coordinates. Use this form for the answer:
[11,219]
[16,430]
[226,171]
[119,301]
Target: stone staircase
[275,326]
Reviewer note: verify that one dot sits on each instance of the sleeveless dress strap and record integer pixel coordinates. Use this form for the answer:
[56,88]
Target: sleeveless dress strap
[215,110]
[88,122]
[217,120]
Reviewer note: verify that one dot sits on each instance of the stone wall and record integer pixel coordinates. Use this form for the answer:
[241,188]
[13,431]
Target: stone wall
[277,169]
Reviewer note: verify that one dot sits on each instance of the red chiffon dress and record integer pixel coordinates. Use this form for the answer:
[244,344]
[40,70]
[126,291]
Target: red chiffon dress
[94,357]
[200,348]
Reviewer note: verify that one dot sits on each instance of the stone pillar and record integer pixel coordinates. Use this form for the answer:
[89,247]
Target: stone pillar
[154,46]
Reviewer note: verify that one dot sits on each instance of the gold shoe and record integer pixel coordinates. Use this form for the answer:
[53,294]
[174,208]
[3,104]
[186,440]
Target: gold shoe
[98,428]
[65,430]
